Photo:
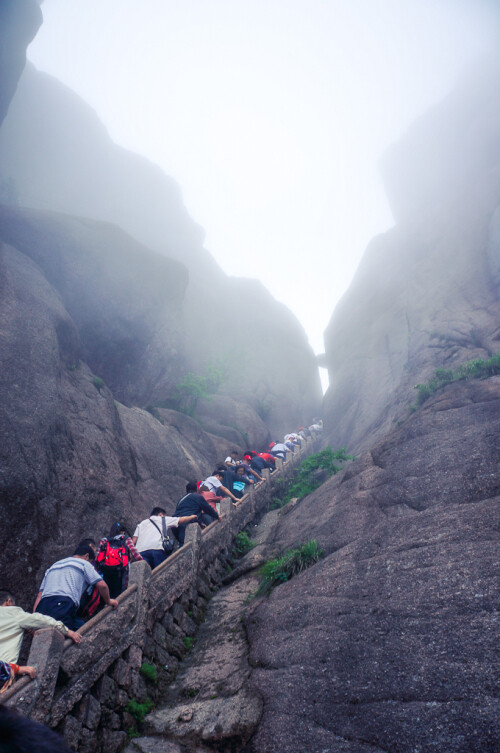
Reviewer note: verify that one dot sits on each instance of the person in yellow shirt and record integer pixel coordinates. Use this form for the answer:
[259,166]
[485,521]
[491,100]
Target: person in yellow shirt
[13,622]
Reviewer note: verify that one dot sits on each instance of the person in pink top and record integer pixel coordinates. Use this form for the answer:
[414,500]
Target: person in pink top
[209,497]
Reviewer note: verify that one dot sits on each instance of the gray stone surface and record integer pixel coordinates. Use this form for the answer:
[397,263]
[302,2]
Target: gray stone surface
[389,643]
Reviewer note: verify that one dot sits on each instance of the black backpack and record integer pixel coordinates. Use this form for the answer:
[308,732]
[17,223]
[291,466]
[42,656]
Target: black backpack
[167,538]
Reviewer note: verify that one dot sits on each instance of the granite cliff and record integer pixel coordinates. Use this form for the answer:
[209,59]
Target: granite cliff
[389,643]
[57,155]
[108,299]
[426,294]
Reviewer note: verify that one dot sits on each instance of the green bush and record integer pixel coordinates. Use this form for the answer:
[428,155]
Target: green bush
[193,386]
[189,642]
[149,672]
[305,481]
[98,383]
[242,544]
[290,563]
[479,368]
[139,710]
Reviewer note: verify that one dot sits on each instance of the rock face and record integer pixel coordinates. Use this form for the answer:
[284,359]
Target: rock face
[389,643]
[72,458]
[100,321]
[426,294]
[55,154]
[19,22]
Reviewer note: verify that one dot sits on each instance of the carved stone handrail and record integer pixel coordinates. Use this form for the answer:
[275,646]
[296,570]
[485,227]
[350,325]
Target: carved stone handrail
[109,634]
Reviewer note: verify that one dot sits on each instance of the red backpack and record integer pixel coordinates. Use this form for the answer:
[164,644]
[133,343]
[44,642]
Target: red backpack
[113,553]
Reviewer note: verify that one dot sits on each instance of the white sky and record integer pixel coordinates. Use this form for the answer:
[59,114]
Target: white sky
[272,115]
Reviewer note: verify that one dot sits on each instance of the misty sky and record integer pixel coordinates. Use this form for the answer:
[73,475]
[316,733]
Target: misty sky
[272,115]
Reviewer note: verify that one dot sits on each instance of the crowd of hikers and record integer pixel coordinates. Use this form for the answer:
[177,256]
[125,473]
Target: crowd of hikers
[75,588]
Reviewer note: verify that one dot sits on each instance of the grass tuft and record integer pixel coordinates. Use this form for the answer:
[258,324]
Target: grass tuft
[149,672]
[242,544]
[292,562]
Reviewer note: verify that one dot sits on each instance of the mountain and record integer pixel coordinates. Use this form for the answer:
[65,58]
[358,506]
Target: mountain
[426,294]
[57,155]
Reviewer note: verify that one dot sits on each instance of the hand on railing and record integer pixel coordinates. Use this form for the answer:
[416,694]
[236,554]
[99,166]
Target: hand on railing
[75,637]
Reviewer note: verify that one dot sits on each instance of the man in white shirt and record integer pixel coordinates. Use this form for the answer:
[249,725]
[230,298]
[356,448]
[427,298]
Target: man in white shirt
[13,622]
[232,460]
[63,585]
[148,536]
[214,484]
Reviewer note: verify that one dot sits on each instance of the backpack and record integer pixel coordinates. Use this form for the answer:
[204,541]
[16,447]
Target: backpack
[113,553]
[167,539]
[90,604]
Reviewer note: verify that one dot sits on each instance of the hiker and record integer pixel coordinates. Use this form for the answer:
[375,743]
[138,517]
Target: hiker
[113,559]
[212,499]
[232,460]
[18,734]
[240,482]
[214,484]
[294,438]
[152,537]
[194,504]
[13,622]
[278,449]
[269,459]
[258,464]
[249,471]
[64,583]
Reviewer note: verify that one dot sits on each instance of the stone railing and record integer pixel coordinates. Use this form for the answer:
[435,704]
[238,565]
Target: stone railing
[84,690]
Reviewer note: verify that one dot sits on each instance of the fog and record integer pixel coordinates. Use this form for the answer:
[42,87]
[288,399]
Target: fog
[272,116]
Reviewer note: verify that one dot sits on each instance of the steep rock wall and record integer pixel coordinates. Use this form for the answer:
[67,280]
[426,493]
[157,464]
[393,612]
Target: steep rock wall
[57,155]
[72,458]
[389,643]
[426,294]
[19,22]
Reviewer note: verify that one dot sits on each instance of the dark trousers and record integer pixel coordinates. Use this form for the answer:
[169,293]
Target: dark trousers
[154,557]
[61,608]
[116,579]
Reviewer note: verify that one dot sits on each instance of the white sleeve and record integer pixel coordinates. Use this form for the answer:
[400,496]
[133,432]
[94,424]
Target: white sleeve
[36,621]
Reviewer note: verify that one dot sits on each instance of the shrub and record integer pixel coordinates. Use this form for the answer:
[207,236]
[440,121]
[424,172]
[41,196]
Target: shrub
[242,544]
[290,563]
[479,368]
[306,481]
[149,672]
[188,642]
[98,383]
[139,710]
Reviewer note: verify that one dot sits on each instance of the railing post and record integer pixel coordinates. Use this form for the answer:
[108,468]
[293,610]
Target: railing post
[140,574]
[226,509]
[193,535]
[45,655]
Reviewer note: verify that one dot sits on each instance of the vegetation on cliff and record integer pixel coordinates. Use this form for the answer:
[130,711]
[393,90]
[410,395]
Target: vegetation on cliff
[292,562]
[311,473]
[479,368]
